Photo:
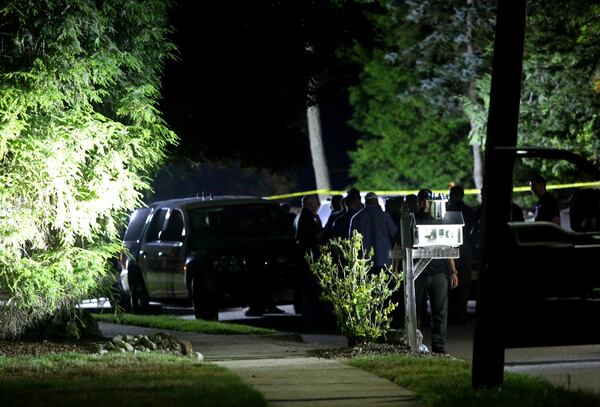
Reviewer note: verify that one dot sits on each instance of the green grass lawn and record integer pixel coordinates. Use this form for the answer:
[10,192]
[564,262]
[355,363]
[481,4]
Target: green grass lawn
[187,325]
[447,382]
[146,380]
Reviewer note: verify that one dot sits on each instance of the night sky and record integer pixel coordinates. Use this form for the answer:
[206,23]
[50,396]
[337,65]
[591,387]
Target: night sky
[236,98]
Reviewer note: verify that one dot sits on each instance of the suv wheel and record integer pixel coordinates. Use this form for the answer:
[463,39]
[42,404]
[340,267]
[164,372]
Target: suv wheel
[138,295]
[204,306]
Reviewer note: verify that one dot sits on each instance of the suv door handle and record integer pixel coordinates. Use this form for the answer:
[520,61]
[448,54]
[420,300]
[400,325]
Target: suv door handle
[161,254]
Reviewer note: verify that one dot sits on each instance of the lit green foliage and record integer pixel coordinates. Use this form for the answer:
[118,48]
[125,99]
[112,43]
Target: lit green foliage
[426,72]
[79,133]
[560,97]
[411,138]
[360,299]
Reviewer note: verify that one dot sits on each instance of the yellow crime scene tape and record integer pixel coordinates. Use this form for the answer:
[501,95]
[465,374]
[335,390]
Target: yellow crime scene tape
[473,191]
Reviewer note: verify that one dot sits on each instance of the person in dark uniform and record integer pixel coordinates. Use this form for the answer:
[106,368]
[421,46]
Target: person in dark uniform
[460,296]
[309,235]
[546,209]
[338,208]
[341,226]
[433,283]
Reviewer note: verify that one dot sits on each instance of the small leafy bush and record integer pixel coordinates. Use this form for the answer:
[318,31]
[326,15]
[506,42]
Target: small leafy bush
[360,298]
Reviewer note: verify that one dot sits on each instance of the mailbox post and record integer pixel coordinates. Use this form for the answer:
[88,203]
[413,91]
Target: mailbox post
[437,236]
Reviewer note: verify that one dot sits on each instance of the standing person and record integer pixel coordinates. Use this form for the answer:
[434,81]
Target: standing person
[309,234]
[413,203]
[546,209]
[338,208]
[393,207]
[433,283]
[307,225]
[377,230]
[288,216]
[459,297]
[341,226]
[353,191]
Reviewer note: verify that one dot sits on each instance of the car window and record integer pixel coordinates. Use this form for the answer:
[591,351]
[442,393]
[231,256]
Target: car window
[239,221]
[573,188]
[156,224]
[136,224]
[174,231]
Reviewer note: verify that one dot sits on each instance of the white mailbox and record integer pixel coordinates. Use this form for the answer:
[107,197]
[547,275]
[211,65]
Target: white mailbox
[436,234]
[438,227]
[443,232]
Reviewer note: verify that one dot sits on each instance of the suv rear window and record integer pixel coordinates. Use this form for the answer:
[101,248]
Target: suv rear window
[136,224]
[239,221]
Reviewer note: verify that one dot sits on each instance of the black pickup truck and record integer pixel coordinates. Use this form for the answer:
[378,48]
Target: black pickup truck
[551,273]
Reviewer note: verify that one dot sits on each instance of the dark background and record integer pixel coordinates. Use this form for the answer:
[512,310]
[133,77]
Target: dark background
[238,92]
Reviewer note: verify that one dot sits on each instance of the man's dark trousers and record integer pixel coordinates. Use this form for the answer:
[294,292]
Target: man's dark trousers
[434,287]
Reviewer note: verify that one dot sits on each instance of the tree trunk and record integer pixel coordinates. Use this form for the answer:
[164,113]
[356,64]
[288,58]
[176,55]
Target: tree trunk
[491,321]
[477,166]
[316,149]
[475,148]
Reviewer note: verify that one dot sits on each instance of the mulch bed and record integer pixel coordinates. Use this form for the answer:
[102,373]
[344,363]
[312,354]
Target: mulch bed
[371,349]
[364,349]
[44,347]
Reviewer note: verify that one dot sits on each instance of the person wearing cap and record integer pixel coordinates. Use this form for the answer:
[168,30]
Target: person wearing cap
[546,209]
[338,208]
[309,235]
[341,226]
[433,283]
[377,229]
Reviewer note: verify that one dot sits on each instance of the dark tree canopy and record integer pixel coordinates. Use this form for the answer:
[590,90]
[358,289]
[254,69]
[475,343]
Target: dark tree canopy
[242,84]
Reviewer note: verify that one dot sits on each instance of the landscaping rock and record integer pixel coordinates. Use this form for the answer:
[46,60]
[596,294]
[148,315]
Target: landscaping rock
[144,341]
[160,342]
[123,345]
[199,357]
[186,347]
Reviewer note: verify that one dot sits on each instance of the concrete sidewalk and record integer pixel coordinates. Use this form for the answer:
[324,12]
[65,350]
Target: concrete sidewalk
[282,369]
[311,381]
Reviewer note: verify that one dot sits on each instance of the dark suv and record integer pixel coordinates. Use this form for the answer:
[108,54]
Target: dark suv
[222,251]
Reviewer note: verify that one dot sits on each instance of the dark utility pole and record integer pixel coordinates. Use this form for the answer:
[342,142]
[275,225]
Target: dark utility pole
[503,120]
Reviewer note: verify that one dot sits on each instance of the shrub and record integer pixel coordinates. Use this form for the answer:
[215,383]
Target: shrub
[79,136]
[360,298]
